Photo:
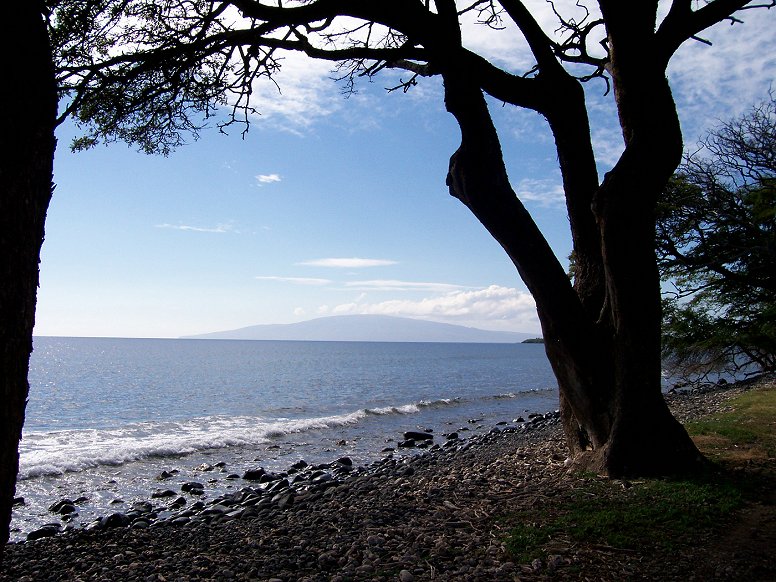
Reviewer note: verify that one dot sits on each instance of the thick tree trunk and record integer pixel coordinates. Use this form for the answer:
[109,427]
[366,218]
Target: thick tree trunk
[603,341]
[478,177]
[28,107]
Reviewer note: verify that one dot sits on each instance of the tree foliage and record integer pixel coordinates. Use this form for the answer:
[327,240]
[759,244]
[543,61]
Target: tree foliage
[716,234]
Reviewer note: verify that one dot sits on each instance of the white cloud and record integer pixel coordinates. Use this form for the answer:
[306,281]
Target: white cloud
[304,93]
[296,280]
[300,312]
[394,285]
[721,81]
[545,192]
[268,178]
[506,47]
[219,228]
[494,306]
[347,263]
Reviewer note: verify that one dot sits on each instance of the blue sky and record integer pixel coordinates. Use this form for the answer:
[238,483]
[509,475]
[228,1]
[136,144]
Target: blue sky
[331,206]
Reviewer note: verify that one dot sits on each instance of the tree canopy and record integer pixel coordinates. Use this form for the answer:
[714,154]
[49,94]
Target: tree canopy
[716,235]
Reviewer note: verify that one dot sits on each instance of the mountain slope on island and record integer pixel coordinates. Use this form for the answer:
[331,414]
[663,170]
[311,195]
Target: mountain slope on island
[365,328]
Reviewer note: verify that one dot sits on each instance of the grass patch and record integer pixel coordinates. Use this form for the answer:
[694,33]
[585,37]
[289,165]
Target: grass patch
[653,513]
[749,426]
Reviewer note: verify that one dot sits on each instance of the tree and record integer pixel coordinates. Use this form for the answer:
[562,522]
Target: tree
[28,110]
[147,72]
[716,235]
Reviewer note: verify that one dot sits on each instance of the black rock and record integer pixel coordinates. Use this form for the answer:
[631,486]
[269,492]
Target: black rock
[163,475]
[181,520]
[254,474]
[217,509]
[161,493]
[299,465]
[18,501]
[345,461]
[278,485]
[46,531]
[322,478]
[189,486]
[408,444]
[142,506]
[283,500]
[417,436]
[63,506]
[269,478]
[115,520]
[451,436]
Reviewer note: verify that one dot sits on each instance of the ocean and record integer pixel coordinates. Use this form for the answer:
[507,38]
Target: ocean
[107,416]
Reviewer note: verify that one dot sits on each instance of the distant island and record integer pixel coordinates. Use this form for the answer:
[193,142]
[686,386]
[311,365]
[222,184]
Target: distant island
[367,328]
[533,340]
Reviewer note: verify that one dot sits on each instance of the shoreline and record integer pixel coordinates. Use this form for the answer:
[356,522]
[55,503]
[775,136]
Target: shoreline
[422,517]
[364,436]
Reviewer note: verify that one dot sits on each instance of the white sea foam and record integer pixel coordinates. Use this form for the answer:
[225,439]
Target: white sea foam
[54,453]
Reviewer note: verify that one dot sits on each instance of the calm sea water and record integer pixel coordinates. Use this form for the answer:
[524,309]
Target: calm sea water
[106,416]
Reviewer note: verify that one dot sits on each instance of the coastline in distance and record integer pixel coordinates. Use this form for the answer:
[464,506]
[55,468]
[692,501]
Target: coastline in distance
[367,328]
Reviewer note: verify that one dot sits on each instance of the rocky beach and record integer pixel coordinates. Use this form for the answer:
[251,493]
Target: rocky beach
[438,514]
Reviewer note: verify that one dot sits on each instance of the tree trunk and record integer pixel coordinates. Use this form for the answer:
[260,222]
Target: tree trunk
[28,106]
[477,176]
[603,341]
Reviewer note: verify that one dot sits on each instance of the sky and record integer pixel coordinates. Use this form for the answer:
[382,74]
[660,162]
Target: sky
[333,205]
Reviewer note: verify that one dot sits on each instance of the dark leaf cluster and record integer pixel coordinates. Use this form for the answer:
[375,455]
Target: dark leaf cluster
[716,243]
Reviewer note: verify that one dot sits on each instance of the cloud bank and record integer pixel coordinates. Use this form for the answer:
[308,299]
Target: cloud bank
[295,280]
[268,178]
[219,228]
[347,263]
[494,307]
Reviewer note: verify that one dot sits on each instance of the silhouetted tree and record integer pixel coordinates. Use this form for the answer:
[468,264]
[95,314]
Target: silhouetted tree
[28,110]
[716,235]
[148,71]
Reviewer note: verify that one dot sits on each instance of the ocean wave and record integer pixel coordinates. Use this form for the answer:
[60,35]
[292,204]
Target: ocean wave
[521,394]
[413,408]
[55,453]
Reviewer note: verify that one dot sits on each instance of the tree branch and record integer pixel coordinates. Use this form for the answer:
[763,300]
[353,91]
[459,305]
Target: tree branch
[683,23]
